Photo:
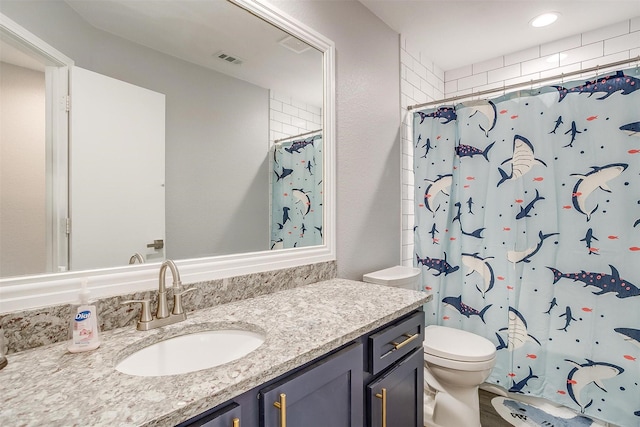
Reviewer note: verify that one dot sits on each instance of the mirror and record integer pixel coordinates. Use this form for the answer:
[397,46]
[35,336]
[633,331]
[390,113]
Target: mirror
[227,81]
[238,122]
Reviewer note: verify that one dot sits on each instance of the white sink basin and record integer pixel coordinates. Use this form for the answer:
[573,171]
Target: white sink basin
[190,353]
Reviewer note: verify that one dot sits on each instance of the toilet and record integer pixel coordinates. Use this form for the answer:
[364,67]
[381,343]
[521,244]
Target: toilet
[456,362]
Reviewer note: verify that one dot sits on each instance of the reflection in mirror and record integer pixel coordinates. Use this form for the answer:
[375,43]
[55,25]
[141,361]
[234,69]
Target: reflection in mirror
[176,107]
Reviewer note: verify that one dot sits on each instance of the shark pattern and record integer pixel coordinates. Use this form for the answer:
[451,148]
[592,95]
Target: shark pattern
[568,318]
[487,109]
[518,386]
[277,244]
[588,239]
[607,85]
[533,416]
[633,129]
[574,132]
[298,145]
[524,211]
[517,333]
[466,310]
[591,372]
[285,173]
[440,265]
[433,231]
[522,161]
[630,335]
[427,146]
[526,255]
[477,233]
[303,198]
[587,183]
[445,114]
[477,264]
[285,215]
[440,185]
[552,304]
[558,123]
[605,282]
[463,150]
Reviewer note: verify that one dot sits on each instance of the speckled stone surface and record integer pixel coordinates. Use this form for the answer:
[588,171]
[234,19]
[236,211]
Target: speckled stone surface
[49,386]
[33,328]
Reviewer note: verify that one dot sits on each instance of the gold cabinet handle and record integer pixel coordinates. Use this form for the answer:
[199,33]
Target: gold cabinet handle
[282,405]
[236,422]
[410,338]
[383,396]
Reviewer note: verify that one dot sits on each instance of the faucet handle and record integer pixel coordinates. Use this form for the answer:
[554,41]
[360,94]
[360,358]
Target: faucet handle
[145,315]
[177,299]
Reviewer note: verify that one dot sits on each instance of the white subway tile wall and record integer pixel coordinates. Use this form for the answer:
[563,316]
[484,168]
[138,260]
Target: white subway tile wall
[289,117]
[421,81]
[608,44]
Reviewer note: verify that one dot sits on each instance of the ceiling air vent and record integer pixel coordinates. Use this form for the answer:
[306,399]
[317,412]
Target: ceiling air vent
[226,57]
[294,44]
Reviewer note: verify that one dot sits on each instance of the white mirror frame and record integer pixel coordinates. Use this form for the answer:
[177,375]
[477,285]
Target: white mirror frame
[20,293]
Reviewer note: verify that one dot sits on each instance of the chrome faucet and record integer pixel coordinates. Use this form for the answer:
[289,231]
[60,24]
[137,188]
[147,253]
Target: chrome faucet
[163,317]
[163,309]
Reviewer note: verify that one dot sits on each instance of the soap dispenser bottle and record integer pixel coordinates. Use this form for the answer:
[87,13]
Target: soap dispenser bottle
[84,332]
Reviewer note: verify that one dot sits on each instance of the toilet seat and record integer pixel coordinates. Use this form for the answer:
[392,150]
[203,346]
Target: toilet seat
[457,365]
[457,349]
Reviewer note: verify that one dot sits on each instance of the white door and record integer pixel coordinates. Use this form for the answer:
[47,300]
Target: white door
[117,137]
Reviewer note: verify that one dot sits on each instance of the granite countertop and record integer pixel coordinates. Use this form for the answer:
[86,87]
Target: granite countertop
[50,386]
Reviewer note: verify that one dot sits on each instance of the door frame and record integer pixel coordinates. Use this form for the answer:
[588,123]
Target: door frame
[56,66]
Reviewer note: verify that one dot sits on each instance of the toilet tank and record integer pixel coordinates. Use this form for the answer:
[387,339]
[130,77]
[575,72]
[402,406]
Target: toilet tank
[397,277]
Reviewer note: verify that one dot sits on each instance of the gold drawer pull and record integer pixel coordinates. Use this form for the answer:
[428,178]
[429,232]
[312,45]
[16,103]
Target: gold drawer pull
[410,338]
[236,422]
[282,405]
[383,396]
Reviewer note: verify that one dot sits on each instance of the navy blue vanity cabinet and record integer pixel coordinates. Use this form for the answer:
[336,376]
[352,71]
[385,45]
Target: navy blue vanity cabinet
[327,393]
[394,390]
[230,415]
[344,388]
[395,398]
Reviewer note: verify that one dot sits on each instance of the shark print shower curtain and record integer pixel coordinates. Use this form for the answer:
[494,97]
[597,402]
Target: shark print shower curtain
[527,232]
[296,202]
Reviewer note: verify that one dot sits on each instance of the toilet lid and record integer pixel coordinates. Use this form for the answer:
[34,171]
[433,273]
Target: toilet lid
[456,344]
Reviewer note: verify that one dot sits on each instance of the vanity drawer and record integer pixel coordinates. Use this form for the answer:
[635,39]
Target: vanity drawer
[395,341]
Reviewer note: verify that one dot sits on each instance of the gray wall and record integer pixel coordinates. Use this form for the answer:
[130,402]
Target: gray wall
[368,141]
[217,129]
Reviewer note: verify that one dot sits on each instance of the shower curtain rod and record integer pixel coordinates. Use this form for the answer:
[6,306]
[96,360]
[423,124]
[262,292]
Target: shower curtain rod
[297,136]
[529,83]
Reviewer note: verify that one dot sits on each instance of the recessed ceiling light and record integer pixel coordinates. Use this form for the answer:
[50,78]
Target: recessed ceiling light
[544,19]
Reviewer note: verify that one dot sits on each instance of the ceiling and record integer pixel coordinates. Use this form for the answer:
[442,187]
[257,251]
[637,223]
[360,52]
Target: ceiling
[455,33]
[197,31]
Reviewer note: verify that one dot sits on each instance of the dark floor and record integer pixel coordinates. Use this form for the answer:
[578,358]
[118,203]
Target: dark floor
[488,415]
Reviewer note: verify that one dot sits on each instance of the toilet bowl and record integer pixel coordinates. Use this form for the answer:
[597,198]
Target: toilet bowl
[456,363]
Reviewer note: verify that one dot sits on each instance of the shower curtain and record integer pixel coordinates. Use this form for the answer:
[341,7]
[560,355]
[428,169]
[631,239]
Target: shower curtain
[527,232]
[296,193]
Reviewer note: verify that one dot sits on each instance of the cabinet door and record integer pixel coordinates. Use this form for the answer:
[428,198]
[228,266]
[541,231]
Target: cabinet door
[228,416]
[395,399]
[327,393]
